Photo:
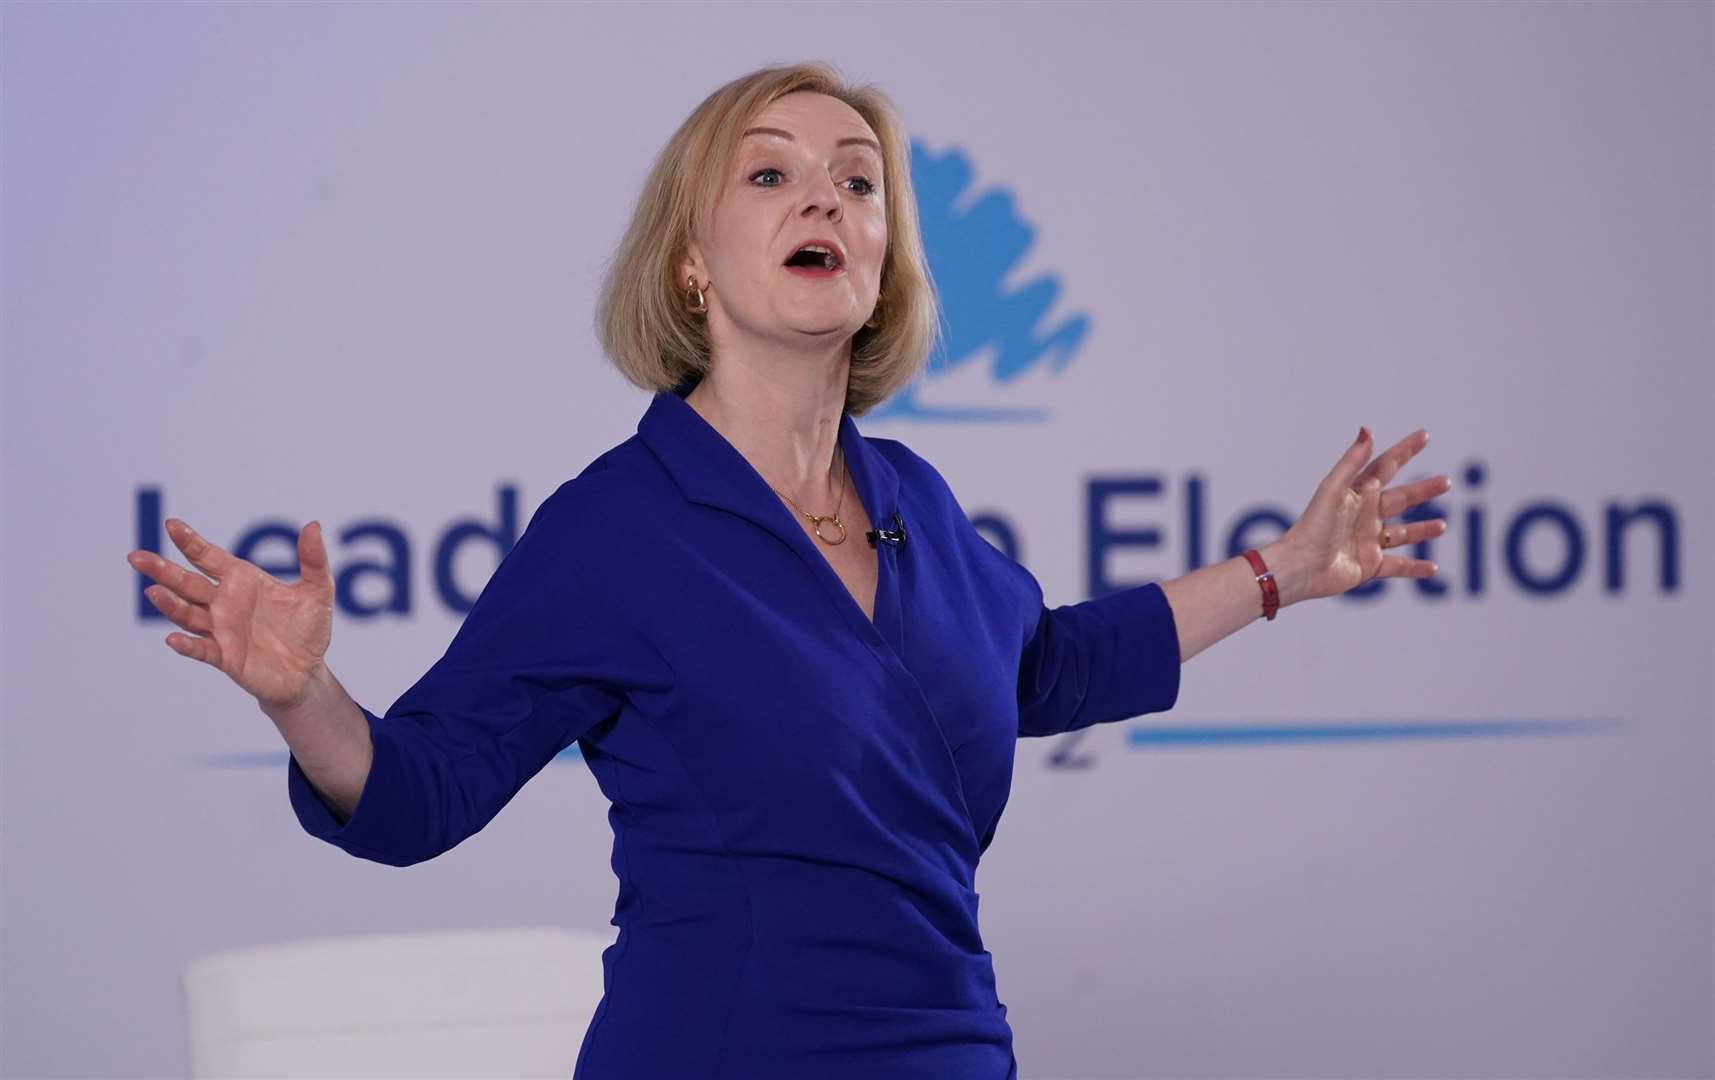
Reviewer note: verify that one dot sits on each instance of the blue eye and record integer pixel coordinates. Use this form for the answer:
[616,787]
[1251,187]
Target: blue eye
[867,189]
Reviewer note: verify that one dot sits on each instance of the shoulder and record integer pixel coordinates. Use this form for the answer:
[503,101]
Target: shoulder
[618,481]
[934,497]
[578,530]
[916,474]
[585,546]
[923,491]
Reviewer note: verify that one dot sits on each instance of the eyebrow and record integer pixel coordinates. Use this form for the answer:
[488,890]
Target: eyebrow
[787,135]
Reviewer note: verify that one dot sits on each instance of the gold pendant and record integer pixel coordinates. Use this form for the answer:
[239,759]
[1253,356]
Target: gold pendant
[817,522]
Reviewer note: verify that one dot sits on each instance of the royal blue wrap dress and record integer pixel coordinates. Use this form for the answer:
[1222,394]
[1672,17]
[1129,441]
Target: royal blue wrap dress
[799,795]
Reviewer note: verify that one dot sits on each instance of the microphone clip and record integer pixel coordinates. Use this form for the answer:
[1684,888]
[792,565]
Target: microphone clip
[894,536]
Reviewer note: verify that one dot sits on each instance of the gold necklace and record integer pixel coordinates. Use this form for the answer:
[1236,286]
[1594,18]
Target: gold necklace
[817,519]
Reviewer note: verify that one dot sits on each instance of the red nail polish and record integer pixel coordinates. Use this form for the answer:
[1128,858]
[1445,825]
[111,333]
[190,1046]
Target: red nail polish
[1363,433]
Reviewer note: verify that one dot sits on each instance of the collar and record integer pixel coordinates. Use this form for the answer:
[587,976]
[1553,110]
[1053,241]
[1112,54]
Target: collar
[711,471]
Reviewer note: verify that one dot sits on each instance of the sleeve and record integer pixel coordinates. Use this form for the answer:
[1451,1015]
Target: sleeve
[1108,658]
[531,668]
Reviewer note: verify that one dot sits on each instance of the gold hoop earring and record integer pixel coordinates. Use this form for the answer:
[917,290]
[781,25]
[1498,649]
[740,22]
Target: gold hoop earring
[694,296]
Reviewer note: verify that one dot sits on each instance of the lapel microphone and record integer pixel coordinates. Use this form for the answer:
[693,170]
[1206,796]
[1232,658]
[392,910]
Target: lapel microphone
[894,536]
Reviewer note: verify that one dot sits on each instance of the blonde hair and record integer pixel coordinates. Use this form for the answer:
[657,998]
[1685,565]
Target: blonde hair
[642,316]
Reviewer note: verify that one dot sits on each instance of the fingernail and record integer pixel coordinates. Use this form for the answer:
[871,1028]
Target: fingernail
[1363,433]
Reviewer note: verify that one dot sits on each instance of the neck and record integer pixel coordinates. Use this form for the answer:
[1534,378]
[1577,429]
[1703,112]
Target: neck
[782,412]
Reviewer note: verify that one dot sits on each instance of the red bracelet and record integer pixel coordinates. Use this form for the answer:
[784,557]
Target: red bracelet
[1265,579]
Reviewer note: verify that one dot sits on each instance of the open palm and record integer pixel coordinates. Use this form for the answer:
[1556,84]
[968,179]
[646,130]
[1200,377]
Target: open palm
[267,635]
[1340,537]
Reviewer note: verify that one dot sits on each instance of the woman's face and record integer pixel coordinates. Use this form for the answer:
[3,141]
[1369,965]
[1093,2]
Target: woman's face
[807,170]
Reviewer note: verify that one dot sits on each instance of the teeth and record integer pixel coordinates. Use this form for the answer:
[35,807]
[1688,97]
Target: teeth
[830,261]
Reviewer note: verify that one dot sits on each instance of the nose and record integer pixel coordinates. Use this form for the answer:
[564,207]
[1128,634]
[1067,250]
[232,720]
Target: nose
[823,198]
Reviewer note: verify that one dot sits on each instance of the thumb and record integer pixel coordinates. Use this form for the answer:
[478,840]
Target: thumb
[313,558]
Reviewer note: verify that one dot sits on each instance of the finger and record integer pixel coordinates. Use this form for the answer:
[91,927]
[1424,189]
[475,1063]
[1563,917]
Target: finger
[211,559]
[1369,519]
[1346,469]
[1394,458]
[313,558]
[1396,501]
[1399,566]
[173,606]
[193,587]
[196,647]
[1416,532]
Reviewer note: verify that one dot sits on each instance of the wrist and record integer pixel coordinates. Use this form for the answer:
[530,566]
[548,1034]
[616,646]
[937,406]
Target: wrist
[319,692]
[1283,561]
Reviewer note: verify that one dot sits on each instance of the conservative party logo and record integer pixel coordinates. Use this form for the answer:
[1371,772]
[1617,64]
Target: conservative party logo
[989,328]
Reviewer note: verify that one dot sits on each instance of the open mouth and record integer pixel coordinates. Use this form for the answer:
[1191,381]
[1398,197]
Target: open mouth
[816,258]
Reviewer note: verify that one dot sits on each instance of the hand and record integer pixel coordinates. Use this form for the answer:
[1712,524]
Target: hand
[1336,544]
[268,636]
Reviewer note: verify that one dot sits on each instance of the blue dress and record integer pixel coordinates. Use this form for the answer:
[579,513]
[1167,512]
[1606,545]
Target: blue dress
[799,795]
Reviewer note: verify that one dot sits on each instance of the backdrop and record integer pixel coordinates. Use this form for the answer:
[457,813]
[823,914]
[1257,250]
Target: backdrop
[268,263]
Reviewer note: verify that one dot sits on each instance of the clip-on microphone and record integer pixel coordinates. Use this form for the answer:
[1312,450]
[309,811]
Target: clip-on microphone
[894,536]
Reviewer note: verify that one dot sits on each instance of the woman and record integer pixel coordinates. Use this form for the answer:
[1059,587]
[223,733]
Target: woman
[793,666]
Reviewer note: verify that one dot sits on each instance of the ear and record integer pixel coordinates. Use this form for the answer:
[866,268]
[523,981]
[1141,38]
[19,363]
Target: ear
[692,266]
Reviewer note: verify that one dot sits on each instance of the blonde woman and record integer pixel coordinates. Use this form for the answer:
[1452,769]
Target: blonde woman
[793,666]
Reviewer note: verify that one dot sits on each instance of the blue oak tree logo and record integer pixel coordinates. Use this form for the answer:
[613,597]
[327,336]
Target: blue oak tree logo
[971,252]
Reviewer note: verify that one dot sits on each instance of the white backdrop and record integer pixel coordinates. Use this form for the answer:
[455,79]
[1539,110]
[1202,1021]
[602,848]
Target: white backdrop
[264,264]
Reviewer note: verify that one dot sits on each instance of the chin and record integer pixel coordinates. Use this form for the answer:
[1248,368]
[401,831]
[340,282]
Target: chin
[823,334]
[825,328]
